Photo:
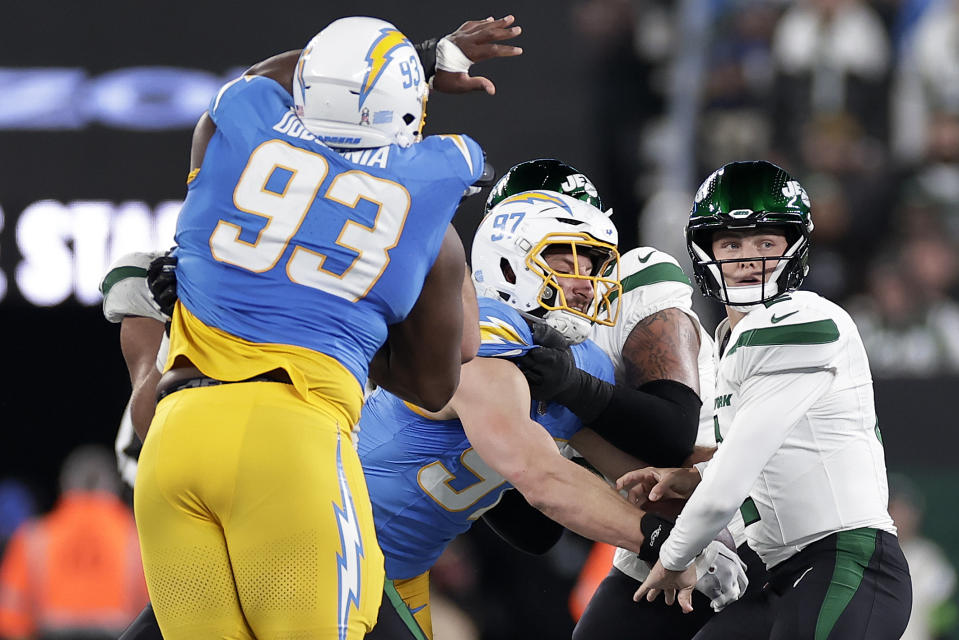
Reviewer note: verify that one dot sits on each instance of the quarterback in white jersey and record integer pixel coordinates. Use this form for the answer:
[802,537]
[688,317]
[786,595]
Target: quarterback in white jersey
[800,453]
[663,362]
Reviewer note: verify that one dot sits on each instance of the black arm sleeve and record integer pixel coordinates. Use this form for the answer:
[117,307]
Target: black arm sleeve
[427,53]
[657,423]
[522,525]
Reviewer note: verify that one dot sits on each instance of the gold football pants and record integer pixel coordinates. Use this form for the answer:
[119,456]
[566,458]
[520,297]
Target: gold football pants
[254,518]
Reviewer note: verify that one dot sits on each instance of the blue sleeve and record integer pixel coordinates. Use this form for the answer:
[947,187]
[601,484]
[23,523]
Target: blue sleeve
[463,155]
[503,332]
[246,106]
[593,360]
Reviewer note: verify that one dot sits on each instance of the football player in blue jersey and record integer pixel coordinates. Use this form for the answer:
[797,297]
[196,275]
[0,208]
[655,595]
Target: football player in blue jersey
[663,362]
[296,263]
[432,474]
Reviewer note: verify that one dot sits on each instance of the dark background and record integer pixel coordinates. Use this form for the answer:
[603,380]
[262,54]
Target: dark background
[64,381]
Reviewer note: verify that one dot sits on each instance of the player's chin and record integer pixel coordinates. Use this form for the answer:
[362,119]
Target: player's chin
[667,507]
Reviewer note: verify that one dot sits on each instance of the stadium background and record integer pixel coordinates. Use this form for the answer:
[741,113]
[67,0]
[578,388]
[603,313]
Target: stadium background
[97,102]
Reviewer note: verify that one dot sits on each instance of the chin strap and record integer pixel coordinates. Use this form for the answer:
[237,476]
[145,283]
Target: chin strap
[573,327]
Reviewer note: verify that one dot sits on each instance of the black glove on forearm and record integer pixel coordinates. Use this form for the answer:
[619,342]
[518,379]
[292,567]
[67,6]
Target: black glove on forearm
[554,377]
[161,279]
[427,53]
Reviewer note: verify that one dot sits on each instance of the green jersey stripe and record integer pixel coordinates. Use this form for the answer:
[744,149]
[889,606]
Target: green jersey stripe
[404,611]
[662,272]
[818,332]
[749,511]
[854,550]
[118,274]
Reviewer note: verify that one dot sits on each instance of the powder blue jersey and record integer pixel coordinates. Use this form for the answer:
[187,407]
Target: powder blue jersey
[427,484]
[285,240]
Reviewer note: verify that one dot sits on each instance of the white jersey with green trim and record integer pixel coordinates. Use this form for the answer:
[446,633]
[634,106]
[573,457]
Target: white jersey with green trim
[799,445]
[653,281]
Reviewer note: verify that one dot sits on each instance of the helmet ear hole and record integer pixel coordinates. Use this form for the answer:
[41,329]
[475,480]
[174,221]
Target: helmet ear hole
[507,270]
[409,118]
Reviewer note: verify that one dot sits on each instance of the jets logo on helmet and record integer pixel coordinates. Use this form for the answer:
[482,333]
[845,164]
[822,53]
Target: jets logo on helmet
[794,190]
[576,182]
[544,174]
[509,259]
[359,83]
[743,196]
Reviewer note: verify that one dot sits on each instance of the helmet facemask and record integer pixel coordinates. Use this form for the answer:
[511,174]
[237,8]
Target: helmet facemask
[750,196]
[789,269]
[512,252]
[603,278]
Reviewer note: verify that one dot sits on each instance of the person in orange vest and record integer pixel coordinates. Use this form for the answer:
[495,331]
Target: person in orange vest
[597,565]
[77,570]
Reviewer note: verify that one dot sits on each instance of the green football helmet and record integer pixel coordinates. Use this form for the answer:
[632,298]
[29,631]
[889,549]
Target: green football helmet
[544,174]
[742,196]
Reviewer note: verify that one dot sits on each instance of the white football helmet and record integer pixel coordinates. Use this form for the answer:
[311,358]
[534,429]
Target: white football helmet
[359,83]
[508,262]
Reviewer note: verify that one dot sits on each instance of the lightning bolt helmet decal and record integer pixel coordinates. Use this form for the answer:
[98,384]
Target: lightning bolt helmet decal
[379,57]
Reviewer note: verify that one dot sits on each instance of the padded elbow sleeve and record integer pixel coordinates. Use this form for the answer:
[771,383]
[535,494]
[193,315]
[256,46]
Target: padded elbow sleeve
[657,423]
[522,525]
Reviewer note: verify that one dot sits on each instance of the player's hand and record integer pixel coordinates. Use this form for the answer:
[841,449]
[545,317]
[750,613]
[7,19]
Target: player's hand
[674,585]
[720,575]
[161,279]
[654,484]
[550,372]
[477,40]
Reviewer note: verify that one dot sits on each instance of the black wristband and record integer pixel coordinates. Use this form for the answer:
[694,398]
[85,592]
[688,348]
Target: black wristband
[655,531]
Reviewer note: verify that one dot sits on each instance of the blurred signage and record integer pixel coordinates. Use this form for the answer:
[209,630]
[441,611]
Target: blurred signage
[135,98]
[65,248]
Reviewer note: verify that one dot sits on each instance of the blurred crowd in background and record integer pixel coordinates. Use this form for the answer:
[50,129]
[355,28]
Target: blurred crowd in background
[859,99]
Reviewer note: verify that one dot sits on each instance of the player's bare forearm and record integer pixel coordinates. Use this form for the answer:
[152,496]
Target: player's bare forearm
[493,403]
[202,133]
[581,502]
[422,358]
[139,341]
[603,456]
[471,333]
[279,68]
[664,346]
[700,454]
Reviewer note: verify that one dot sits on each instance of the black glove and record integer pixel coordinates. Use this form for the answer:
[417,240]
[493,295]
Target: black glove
[553,376]
[427,54]
[161,279]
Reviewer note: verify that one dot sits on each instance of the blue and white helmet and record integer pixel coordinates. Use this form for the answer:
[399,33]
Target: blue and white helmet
[508,262]
[359,83]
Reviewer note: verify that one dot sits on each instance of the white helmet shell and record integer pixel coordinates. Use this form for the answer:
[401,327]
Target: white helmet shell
[359,83]
[508,263]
